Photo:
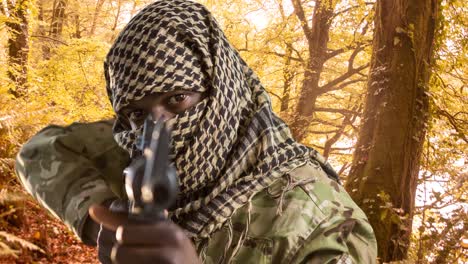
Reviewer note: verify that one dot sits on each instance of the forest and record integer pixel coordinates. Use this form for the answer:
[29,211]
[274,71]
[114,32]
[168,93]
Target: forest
[379,87]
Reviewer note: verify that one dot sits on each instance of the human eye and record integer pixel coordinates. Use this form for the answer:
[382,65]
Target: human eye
[177,99]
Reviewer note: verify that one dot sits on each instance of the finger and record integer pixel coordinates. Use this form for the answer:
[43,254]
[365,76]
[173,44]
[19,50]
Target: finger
[105,242]
[163,255]
[108,219]
[162,233]
[119,206]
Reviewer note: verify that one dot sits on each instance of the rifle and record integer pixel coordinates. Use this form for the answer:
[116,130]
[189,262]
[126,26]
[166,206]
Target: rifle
[150,181]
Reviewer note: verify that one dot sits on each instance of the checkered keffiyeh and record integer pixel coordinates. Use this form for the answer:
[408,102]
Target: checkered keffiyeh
[226,148]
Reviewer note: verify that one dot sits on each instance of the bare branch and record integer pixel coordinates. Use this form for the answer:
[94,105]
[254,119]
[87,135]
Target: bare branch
[332,85]
[299,11]
[321,132]
[334,149]
[275,95]
[325,122]
[329,143]
[356,51]
[349,8]
[454,123]
[283,55]
[344,167]
[357,45]
[316,146]
[50,38]
[340,111]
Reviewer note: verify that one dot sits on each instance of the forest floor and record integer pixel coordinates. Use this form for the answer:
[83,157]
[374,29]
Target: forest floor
[34,224]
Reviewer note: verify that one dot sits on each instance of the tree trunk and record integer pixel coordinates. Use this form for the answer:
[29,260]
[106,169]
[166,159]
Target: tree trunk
[40,16]
[96,14]
[116,19]
[317,38]
[41,30]
[77,23]
[288,77]
[18,46]
[58,18]
[385,167]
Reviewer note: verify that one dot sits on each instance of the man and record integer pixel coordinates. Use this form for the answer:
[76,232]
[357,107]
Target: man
[248,192]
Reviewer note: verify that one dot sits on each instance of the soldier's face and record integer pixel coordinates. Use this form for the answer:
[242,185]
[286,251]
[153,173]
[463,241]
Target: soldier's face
[166,104]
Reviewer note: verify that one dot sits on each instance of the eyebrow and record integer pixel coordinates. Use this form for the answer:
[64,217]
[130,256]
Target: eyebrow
[134,103]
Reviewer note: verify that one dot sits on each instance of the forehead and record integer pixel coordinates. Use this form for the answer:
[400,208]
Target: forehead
[161,50]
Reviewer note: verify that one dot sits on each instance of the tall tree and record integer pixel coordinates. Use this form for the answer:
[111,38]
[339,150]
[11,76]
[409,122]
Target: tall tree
[288,76]
[288,69]
[58,18]
[317,38]
[18,44]
[384,173]
[117,18]
[96,15]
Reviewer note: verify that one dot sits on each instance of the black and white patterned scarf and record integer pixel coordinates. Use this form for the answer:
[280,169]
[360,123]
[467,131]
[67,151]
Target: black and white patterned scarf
[226,148]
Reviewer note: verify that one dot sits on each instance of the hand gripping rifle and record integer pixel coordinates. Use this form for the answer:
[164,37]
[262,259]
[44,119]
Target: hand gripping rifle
[150,181]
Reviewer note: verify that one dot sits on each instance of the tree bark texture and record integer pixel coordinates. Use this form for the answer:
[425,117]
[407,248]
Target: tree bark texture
[288,76]
[41,30]
[317,36]
[58,18]
[117,17]
[18,46]
[385,167]
[77,23]
[97,12]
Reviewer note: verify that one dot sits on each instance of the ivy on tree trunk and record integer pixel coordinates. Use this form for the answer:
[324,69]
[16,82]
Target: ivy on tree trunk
[387,156]
[18,46]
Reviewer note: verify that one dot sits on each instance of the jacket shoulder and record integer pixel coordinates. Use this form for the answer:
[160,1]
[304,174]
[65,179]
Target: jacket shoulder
[284,222]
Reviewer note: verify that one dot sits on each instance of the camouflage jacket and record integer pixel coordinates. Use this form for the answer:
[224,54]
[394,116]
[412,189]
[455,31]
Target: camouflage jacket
[303,218]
